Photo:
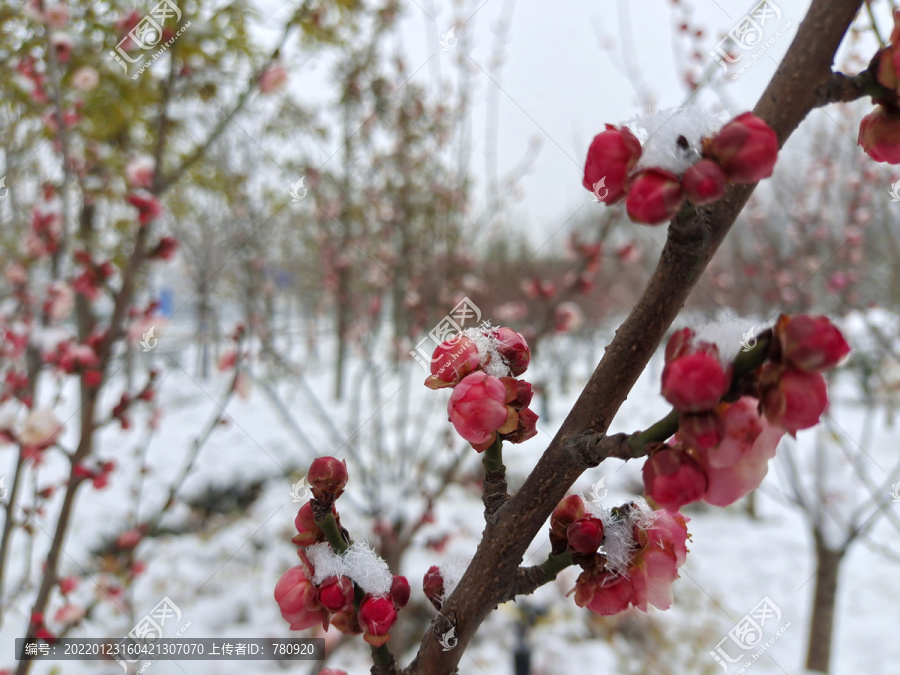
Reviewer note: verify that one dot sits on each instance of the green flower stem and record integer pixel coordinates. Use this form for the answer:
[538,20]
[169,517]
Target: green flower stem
[493,458]
[329,526]
[657,432]
[748,361]
[382,656]
[554,564]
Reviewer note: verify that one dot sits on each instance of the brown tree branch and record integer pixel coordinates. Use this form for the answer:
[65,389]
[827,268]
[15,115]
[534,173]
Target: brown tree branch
[693,238]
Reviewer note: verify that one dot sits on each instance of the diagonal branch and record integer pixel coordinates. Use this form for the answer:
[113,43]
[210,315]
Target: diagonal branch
[693,238]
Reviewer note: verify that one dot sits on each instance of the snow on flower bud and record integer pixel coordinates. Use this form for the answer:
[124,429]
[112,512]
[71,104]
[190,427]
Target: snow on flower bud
[672,478]
[746,148]
[654,197]
[611,156]
[336,594]
[797,401]
[297,598]
[477,407]
[452,360]
[810,343]
[433,586]
[704,182]
[585,535]
[695,381]
[513,349]
[400,591]
[377,615]
[879,135]
[327,476]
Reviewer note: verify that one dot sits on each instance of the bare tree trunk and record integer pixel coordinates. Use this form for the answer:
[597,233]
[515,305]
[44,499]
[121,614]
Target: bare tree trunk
[821,627]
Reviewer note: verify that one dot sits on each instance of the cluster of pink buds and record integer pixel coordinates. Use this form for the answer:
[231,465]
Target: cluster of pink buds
[95,274]
[487,402]
[654,545]
[99,476]
[879,131]
[743,151]
[334,600]
[722,448]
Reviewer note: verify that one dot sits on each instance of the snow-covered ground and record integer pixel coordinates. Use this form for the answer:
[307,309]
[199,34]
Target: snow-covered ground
[222,577]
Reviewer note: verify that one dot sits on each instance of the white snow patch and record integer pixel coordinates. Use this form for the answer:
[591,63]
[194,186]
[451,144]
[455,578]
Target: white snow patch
[659,133]
[728,335]
[451,572]
[359,562]
[488,348]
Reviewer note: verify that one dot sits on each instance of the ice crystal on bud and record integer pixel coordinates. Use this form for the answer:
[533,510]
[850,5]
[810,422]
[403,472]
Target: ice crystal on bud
[660,132]
[359,562]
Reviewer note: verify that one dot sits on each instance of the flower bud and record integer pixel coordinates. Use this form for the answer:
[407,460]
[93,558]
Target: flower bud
[297,598]
[433,586]
[526,427]
[695,381]
[611,156]
[376,616]
[308,533]
[400,591]
[654,197]
[746,148]
[477,407]
[701,430]
[879,135]
[604,593]
[585,535]
[672,478]
[679,344]
[332,671]
[704,182]
[336,594]
[513,349]
[347,622]
[452,360]
[797,401]
[327,476]
[810,343]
